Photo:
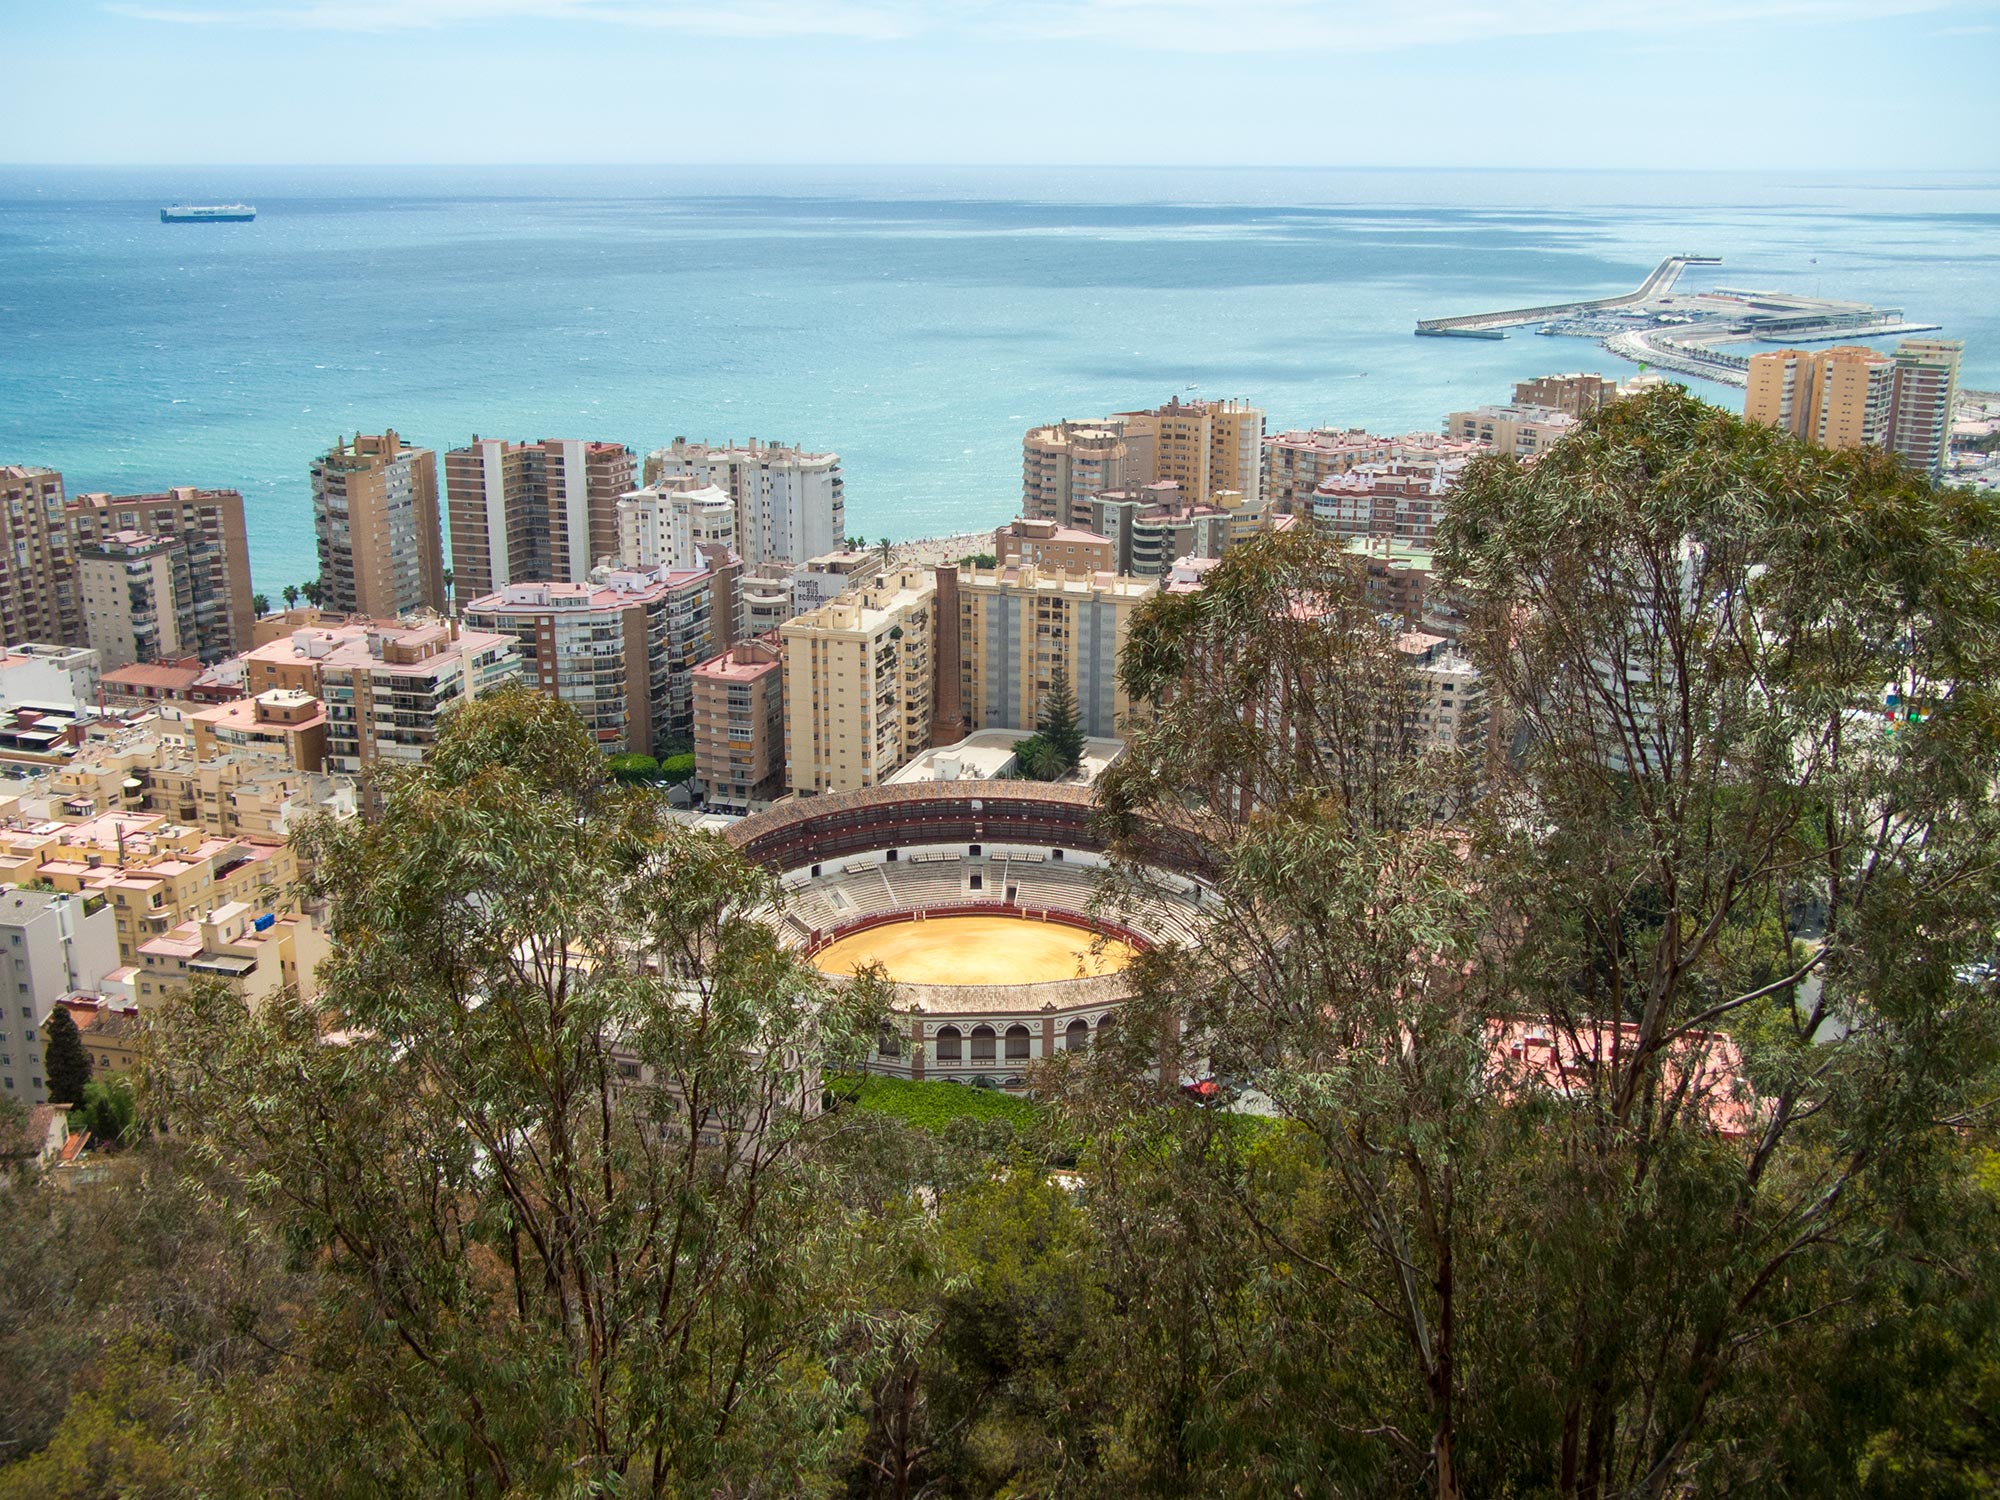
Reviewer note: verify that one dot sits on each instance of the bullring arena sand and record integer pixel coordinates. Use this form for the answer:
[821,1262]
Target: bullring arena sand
[976,950]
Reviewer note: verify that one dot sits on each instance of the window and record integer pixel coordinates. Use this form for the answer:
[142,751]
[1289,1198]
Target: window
[1017,1043]
[1076,1036]
[982,1044]
[950,1046]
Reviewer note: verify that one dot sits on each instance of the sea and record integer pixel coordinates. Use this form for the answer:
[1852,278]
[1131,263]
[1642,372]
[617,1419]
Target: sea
[914,320]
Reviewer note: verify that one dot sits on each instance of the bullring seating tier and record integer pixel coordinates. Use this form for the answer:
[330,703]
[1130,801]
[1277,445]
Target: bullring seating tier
[862,890]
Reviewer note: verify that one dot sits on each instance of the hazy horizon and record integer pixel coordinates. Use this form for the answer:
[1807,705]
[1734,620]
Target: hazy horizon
[1165,84]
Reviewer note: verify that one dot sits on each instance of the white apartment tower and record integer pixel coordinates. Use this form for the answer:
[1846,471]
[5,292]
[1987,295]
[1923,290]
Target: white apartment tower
[790,504]
[51,944]
[667,525]
[1920,411]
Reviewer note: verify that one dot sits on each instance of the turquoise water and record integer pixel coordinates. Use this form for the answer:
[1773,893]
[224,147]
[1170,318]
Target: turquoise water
[914,320]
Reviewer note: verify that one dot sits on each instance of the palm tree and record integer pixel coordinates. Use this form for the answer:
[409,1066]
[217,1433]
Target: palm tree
[886,546]
[291,596]
[313,592]
[260,605]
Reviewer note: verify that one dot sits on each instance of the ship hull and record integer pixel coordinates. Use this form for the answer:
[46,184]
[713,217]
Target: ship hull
[244,216]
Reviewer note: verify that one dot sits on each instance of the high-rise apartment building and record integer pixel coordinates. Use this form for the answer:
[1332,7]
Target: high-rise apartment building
[790,504]
[1924,399]
[739,725]
[1836,398]
[1203,446]
[1579,395]
[532,512]
[52,943]
[138,600]
[1524,431]
[669,524]
[858,684]
[207,527]
[1856,397]
[375,514]
[37,562]
[621,650]
[1063,465]
[1015,625]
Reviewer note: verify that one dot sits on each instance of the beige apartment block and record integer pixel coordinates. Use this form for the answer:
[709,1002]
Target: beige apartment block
[281,725]
[138,602]
[1017,624]
[1202,446]
[739,725]
[113,1032]
[1524,431]
[1578,395]
[38,580]
[1064,464]
[1835,398]
[545,511]
[858,680]
[1054,548]
[228,792]
[790,504]
[155,873]
[375,515]
[207,527]
[1924,401]
[260,954]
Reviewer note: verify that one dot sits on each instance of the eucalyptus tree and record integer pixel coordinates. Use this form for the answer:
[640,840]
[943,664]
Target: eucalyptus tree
[1637,1054]
[552,1128]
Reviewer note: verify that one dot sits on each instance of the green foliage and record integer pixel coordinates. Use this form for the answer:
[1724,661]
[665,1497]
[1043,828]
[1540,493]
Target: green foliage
[65,1061]
[932,1106]
[1058,724]
[113,1442]
[291,593]
[108,1111]
[677,768]
[1035,759]
[979,560]
[634,768]
[260,605]
[570,1109]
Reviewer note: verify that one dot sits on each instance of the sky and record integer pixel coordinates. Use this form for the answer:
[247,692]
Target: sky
[1851,85]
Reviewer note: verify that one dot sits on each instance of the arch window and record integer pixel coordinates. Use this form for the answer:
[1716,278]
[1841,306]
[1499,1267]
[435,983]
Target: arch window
[888,1044]
[1017,1043]
[1076,1036]
[982,1044]
[950,1046]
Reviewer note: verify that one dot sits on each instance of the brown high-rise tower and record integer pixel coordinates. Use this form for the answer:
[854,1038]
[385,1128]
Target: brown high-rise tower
[375,511]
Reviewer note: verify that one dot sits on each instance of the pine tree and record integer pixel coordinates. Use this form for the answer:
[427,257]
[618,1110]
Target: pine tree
[1058,723]
[66,1064]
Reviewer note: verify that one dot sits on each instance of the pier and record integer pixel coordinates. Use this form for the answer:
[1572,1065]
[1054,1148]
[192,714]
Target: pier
[1683,333]
[1493,324]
